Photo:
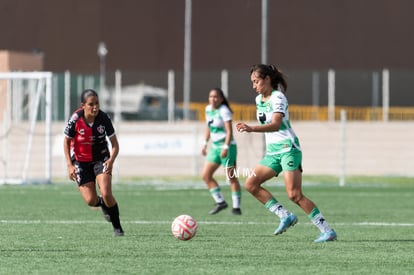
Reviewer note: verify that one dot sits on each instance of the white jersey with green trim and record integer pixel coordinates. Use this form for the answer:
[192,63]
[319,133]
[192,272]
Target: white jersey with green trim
[215,119]
[280,141]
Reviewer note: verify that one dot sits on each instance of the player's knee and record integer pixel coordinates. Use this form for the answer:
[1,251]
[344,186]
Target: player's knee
[295,197]
[91,201]
[251,186]
[206,177]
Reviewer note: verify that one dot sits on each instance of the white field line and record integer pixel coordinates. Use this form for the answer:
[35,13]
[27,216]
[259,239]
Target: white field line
[378,224]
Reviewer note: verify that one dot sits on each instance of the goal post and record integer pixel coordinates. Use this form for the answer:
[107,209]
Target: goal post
[26,127]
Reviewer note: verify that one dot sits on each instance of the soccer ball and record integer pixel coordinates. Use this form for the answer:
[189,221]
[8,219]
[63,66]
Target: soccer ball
[184,227]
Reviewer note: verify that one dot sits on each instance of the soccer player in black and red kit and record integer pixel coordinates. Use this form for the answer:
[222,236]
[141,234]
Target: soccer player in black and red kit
[88,157]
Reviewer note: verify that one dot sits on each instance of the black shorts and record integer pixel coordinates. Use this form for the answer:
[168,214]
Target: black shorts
[87,171]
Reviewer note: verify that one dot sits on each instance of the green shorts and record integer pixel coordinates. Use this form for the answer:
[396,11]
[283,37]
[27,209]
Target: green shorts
[214,156]
[288,161]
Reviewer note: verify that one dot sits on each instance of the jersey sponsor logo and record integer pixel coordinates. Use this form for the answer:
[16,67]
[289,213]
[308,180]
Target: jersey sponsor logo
[82,132]
[262,117]
[210,122]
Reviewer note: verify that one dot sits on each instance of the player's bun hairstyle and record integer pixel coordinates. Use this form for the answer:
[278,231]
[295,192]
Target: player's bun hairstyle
[277,78]
[87,93]
[223,96]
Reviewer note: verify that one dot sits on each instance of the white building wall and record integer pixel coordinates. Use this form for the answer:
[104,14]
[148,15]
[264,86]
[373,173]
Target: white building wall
[374,148]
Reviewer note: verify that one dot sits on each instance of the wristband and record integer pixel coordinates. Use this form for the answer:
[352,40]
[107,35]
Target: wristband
[225,146]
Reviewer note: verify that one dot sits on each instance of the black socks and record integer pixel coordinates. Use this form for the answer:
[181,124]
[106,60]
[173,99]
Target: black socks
[114,214]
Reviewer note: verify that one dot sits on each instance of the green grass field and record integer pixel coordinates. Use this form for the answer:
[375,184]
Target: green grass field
[47,229]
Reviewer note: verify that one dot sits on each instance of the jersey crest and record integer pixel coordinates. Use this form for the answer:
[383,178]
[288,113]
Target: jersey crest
[101,129]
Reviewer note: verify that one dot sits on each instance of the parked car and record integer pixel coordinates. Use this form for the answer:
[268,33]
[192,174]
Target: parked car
[140,102]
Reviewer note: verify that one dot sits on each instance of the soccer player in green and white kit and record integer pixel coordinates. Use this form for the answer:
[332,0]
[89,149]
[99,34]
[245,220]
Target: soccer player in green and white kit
[283,152]
[223,151]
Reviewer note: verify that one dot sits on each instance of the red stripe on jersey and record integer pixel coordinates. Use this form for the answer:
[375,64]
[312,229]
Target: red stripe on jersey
[83,142]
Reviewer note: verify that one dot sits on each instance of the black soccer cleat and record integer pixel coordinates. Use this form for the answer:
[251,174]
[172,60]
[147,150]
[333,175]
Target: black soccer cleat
[219,206]
[236,211]
[118,232]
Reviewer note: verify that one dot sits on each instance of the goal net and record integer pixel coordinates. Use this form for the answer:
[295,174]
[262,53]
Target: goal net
[25,127]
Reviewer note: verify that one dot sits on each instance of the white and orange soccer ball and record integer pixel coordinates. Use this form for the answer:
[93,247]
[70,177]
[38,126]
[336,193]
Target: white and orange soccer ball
[184,227]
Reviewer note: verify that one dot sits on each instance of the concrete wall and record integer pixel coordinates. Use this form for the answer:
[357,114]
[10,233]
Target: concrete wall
[149,35]
[356,38]
[376,149]
[370,149]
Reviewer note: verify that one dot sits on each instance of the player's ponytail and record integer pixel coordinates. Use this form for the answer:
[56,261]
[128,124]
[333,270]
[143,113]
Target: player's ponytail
[278,79]
[223,96]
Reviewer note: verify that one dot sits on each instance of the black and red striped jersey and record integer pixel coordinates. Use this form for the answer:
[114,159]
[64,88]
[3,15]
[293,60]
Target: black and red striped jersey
[89,141]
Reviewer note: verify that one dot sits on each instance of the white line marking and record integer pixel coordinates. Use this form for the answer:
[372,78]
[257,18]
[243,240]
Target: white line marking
[200,222]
